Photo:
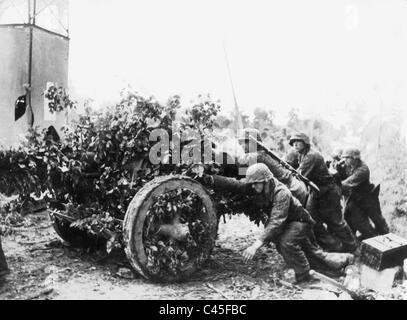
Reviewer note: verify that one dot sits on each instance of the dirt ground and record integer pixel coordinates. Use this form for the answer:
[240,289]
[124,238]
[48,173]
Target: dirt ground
[43,267]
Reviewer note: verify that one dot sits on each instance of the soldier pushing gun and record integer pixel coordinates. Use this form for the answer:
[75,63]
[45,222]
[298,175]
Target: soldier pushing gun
[289,225]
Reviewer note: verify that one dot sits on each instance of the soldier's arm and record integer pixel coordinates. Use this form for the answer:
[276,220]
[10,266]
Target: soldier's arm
[274,224]
[278,215]
[359,176]
[275,167]
[224,184]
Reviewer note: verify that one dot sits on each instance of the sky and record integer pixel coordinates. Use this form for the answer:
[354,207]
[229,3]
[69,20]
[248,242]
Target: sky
[321,57]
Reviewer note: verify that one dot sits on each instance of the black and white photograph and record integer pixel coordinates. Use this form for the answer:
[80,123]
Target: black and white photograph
[218,152]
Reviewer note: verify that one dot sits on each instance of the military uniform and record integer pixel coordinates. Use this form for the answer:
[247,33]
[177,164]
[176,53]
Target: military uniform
[325,206]
[289,225]
[363,203]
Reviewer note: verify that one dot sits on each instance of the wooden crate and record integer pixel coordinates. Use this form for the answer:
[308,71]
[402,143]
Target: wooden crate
[385,251]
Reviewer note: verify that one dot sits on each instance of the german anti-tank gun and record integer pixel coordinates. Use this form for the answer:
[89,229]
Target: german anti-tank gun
[165,220]
[170,226]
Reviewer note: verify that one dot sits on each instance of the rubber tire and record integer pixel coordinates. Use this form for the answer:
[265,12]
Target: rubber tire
[137,212]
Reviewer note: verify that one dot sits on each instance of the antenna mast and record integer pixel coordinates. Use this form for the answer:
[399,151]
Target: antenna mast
[238,118]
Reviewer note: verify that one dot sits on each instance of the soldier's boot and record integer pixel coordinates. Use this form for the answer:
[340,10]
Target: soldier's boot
[304,279]
[337,260]
[331,262]
[321,267]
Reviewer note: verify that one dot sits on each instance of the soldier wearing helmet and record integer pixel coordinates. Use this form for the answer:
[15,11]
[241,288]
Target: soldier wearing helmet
[351,155]
[255,155]
[358,172]
[362,197]
[299,137]
[289,225]
[258,175]
[311,162]
[325,207]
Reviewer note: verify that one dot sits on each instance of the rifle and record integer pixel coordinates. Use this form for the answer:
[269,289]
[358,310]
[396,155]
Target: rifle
[284,164]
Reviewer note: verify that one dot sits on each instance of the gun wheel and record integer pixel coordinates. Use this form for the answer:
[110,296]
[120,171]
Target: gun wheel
[170,228]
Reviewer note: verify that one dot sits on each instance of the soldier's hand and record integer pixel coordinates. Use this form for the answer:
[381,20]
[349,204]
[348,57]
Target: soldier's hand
[249,253]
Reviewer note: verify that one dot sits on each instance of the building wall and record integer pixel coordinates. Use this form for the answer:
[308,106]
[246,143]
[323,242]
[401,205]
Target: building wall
[49,64]
[13,74]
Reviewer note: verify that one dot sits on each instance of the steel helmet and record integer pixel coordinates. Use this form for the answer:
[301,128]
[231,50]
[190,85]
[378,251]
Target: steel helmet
[351,152]
[250,132]
[299,137]
[258,172]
